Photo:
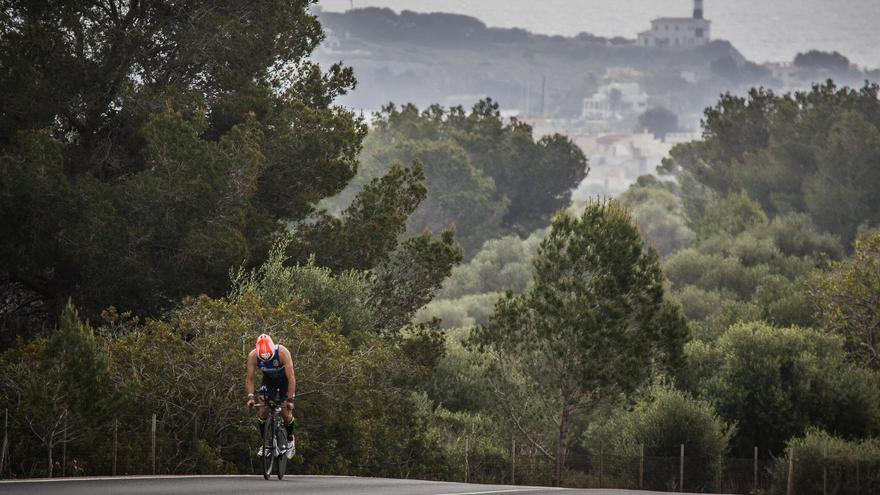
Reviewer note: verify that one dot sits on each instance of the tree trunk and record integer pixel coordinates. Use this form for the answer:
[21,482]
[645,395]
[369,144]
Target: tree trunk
[561,446]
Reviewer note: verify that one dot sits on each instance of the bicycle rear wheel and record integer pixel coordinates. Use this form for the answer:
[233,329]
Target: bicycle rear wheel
[281,438]
[268,454]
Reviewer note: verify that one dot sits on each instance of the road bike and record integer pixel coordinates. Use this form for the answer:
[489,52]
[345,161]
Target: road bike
[274,447]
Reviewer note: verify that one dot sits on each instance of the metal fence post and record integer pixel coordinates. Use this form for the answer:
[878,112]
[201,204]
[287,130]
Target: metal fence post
[755,488]
[789,489]
[641,466]
[858,481]
[681,469]
[824,472]
[466,467]
[5,443]
[49,456]
[115,442]
[512,461]
[64,448]
[601,466]
[153,444]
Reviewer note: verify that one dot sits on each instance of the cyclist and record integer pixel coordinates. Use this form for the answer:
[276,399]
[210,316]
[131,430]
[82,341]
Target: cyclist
[278,376]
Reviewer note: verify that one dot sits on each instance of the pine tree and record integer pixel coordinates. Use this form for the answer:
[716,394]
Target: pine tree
[594,324]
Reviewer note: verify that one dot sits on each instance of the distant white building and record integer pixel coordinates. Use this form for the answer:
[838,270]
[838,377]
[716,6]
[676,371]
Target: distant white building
[678,31]
[614,101]
[616,161]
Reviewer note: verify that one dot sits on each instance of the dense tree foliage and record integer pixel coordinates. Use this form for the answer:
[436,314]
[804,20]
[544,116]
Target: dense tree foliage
[188,368]
[594,324]
[848,299]
[502,264]
[364,234]
[187,140]
[141,156]
[180,172]
[739,265]
[776,382]
[816,59]
[739,71]
[813,152]
[659,121]
[660,423]
[484,175]
[657,210]
[468,296]
[827,460]
[60,390]
[411,276]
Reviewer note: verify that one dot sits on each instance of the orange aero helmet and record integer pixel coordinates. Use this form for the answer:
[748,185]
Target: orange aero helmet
[265,347]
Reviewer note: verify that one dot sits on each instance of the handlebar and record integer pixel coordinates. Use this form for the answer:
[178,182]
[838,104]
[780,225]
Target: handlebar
[270,401]
[268,405]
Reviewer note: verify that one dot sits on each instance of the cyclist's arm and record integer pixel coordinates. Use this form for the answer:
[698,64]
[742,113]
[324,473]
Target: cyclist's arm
[251,368]
[287,360]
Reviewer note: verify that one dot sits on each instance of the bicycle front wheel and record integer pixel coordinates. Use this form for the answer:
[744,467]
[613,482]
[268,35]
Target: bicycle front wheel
[281,435]
[268,453]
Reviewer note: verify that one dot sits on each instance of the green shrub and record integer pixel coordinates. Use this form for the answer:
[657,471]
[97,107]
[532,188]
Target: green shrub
[486,441]
[208,461]
[663,228]
[699,304]
[732,312]
[731,275]
[502,264]
[795,234]
[751,250]
[459,382]
[326,294]
[777,382]
[450,313]
[688,267]
[824,463]
[662,422]
[785,303]
[465,311]
[731,215]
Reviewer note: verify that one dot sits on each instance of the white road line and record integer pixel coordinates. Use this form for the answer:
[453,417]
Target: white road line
[486,492]
[160,477]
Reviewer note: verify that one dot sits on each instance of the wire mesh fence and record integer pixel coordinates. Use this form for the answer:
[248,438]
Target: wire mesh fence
[124,446]
[147,446]
[686,473]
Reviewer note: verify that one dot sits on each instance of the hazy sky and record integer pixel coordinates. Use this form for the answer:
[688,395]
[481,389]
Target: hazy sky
[763,30]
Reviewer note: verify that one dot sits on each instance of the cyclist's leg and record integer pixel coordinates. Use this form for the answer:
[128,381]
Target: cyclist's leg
[287,414]
[261,411]
[261,414]
[289,423]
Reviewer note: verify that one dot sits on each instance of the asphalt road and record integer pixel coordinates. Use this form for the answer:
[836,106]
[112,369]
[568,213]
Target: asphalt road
[299,485]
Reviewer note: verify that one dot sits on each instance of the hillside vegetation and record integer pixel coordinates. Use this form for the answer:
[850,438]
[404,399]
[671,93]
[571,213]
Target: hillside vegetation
[166,198]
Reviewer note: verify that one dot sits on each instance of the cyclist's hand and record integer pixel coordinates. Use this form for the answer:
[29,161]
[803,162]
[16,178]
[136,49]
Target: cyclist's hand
[251,402]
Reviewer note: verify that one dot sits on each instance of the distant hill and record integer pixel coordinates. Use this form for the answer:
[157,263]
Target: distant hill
[456,59]
[434,29]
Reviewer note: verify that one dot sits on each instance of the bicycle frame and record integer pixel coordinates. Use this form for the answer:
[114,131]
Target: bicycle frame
[274,438]
[274,430]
